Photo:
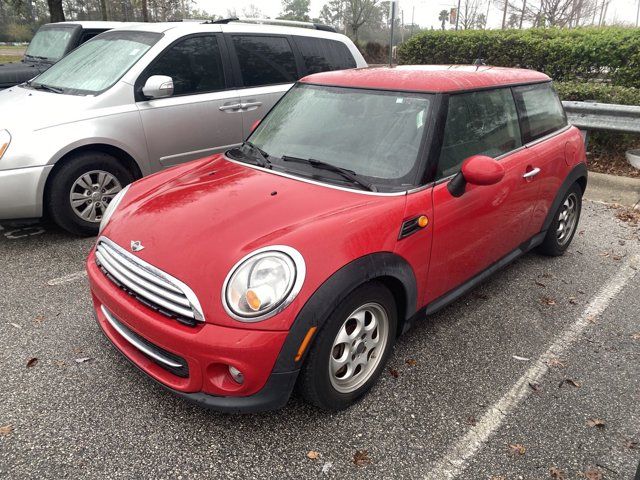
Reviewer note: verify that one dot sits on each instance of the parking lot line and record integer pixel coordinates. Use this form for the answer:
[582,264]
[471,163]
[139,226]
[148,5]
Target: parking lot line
[457,457]
[72,277]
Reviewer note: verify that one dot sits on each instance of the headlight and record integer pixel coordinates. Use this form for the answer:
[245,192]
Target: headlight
[5,140]
[263,283]
[113,205]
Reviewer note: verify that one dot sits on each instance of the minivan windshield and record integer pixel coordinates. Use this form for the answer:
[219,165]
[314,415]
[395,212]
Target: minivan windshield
[49,43]
[377,135]
[98,64]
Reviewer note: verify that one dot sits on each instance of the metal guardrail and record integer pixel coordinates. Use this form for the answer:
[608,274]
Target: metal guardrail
[603,116]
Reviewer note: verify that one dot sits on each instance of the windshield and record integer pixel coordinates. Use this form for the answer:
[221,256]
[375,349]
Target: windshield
[375,134]
[50,43]
[98,64]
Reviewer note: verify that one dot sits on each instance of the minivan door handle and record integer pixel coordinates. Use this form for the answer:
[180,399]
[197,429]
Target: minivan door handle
[250,105]
[232,106]
[531,173]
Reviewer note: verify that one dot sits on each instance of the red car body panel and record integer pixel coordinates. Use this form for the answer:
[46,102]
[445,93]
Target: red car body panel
[197,220]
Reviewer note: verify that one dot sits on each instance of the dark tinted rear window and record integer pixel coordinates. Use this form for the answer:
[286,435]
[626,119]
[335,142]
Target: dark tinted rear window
[540,110]
[321,55]
[265,60]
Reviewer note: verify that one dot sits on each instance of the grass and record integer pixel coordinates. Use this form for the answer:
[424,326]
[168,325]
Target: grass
[10,58]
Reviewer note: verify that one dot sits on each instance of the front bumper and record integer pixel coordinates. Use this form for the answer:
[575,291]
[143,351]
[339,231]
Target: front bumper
[21,192]
[206,350]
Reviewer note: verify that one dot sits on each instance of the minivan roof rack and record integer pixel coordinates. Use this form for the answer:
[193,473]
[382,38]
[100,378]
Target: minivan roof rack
[269,21]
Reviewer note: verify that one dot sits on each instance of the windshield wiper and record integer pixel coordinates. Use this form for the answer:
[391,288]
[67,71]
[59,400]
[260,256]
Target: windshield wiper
[47,88]
[260,156]
[37,57]
[319,164]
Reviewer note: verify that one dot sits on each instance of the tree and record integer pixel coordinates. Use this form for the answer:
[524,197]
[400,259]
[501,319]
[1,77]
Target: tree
[468,14]
[360,12]
[295,10]
[55,10]
[444,18]
[103,10]
[513,21]
[333,13]
[252,12]
[145,10]
[481,21]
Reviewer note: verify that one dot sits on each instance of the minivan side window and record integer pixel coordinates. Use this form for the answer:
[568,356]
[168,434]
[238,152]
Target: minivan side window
[265,60]
[478,123]
[321,54]
[540,109]
[194,64]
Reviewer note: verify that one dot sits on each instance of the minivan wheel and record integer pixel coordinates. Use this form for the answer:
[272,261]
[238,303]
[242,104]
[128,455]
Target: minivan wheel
[351,349]
[564,224]
[81,190]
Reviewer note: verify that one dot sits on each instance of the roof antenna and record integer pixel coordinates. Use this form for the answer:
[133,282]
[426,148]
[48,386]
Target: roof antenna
[479,62]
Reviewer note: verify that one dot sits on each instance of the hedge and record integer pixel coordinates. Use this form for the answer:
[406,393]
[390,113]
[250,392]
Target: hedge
[598,92]
[610,54]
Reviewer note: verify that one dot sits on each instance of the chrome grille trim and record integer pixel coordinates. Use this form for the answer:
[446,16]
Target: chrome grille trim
[148,282]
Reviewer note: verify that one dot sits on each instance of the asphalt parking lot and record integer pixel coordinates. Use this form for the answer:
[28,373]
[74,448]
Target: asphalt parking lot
[533,375]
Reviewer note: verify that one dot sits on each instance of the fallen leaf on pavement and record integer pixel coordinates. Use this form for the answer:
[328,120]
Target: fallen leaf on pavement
[479,295]
[32,362]
[556,473]
[592,474]
[595,422]
[540,284]
[555,362]
[517,449]
[15,325]
[573,301]
[411,362]
[6,430]
[535,387]
[498,477]
[632,444]
[39,319]
[394,373]
[604,254]
[522,359]
[591,318]
[83,359]
[361,458]
[572,382]
[471,420]
[636,336]
[313,455]
[548,300]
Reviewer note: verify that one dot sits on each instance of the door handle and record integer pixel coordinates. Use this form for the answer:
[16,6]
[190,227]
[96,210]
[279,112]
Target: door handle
[244,106]
[234,106]
[531,173]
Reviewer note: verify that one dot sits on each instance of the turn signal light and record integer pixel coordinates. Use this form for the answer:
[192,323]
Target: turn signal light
[423,221]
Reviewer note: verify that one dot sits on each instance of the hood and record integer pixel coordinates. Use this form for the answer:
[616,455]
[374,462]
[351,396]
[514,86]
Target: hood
[17,72]
[197,221]
[29,109]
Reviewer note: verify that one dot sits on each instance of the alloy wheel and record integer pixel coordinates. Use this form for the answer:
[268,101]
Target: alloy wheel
[358,347]
[567,219]
[91,193]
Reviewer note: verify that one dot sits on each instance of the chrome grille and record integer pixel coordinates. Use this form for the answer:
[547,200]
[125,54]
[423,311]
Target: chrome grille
[149,285]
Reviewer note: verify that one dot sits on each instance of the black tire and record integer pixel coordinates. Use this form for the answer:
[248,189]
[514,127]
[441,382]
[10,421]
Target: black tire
[553,245]
[314,382]
[58,203]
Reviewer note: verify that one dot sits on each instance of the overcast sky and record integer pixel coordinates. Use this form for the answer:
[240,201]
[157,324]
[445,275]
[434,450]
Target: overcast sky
[426,11]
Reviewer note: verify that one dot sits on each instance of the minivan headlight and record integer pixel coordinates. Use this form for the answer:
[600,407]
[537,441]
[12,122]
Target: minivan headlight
[263,283]
[5,140]
[113,205]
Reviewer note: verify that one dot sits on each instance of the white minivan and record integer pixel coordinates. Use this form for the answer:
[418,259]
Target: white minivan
[135,100]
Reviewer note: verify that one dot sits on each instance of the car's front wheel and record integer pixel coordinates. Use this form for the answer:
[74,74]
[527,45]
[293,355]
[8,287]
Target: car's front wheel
[564,224]
[351,348]
[82,188]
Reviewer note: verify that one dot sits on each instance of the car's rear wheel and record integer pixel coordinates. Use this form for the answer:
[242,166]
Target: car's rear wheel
[82,188]
[351,349]
[564,224]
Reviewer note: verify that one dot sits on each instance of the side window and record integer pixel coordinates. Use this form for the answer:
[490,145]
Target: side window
[265,60]
[478,123]
[194,64]
[540,110]
[86,36]
[321,55]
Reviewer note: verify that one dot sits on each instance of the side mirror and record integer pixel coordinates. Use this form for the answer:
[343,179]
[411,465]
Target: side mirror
[158,86]
[476,170]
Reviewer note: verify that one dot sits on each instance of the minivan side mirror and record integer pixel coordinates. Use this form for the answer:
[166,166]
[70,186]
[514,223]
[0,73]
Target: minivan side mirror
[476,170]
[158,86]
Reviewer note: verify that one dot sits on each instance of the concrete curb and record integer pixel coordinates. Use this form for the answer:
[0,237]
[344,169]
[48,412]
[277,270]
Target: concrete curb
[602,187]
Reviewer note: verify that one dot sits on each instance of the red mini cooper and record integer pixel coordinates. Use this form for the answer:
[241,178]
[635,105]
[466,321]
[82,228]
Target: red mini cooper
[364,201]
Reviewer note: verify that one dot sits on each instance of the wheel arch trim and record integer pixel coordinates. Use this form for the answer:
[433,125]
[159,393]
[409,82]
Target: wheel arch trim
[578,175]
[390,269]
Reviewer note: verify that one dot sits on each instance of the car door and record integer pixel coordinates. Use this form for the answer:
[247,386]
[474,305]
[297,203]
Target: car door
[486,223]
[542,118]
[203,115]
[266,68]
